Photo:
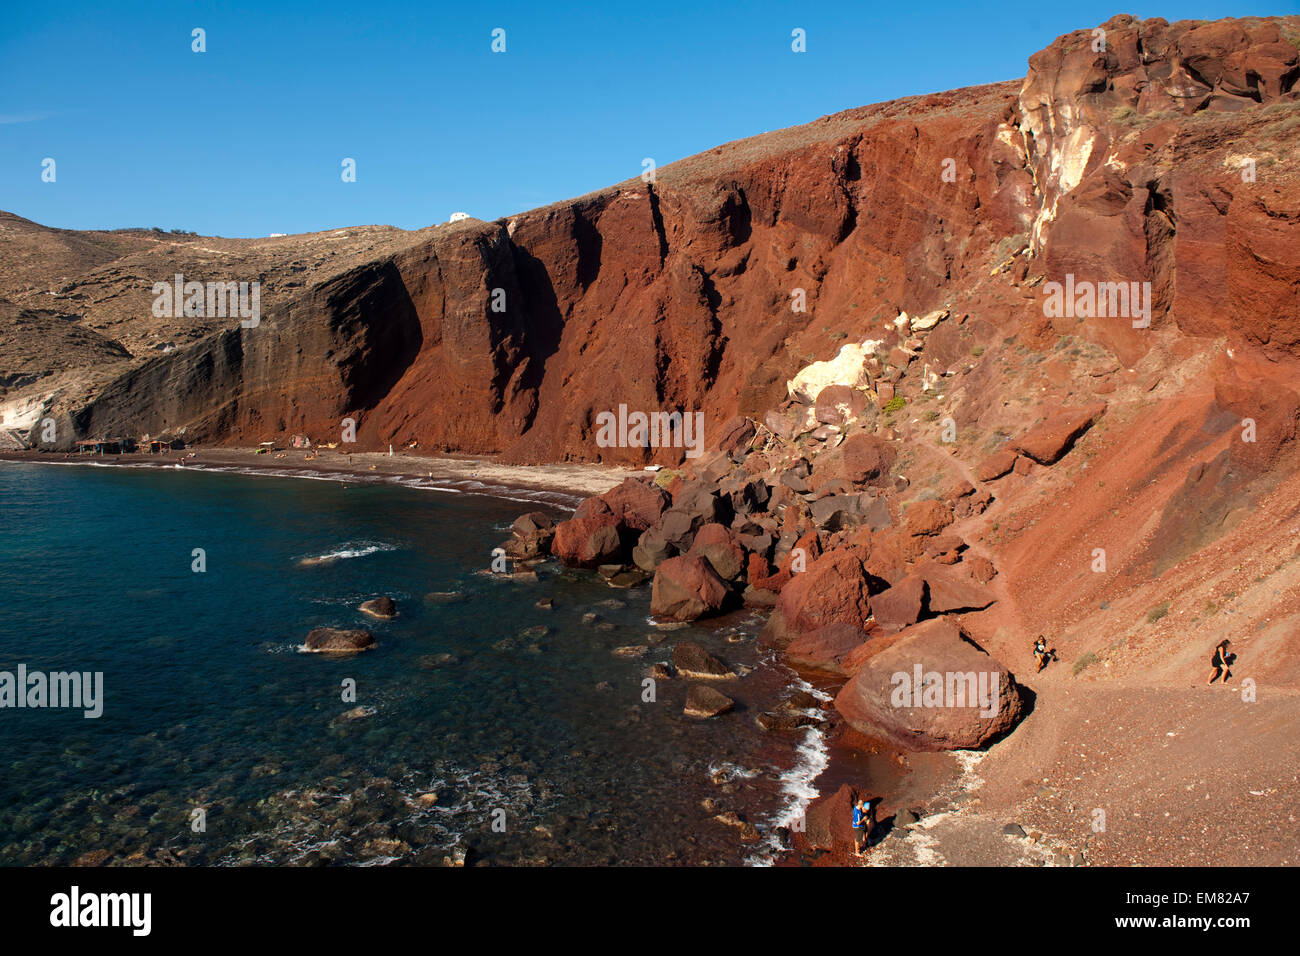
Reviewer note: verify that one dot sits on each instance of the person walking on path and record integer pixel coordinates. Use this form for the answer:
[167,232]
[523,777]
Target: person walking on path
[1221,660]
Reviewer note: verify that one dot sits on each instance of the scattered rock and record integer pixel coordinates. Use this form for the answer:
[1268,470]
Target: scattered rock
[981,569]
[356,713]
[704,701]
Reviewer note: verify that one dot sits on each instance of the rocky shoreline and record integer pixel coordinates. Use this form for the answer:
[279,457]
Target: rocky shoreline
[806,515]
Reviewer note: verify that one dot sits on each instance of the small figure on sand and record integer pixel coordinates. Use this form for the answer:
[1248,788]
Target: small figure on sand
[1221,660]
[1042,656]
[864,821]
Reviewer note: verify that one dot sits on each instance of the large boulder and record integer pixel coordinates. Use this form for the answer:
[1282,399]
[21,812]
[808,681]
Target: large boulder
[865,459]
[737,434]
[333,640]
[849,367]
[533,534]
[790,422]
[588,542]
[531,523]
[900,606]
[715,544]
[637,503]
[592,508]
[1047,442]
[652,549]
[964,699]
[746,496]
[838,512]
[927,517]
[828,821]
[692,509]
[840,404]
[832,591]
[950,589]
[826,648]
[686,588]
[996,465]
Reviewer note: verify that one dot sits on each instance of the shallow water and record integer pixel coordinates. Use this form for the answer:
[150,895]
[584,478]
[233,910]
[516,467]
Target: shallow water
[534,745]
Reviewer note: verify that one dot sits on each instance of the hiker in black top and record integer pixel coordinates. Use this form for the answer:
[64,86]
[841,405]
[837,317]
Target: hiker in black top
[1040,653]
[1221,660]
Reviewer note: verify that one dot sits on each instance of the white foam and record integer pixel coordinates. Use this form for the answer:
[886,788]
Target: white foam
[346,552]
[798,784]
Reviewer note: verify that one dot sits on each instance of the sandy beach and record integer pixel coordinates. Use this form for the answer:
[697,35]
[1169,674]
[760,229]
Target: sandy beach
[567,483]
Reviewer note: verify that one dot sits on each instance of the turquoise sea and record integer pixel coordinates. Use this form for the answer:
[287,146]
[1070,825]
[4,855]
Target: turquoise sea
[531,744]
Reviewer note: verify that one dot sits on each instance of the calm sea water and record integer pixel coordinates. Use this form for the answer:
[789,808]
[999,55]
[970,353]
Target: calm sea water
[534,745]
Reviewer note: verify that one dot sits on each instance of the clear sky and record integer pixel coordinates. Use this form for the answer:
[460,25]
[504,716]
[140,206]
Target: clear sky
[248,138]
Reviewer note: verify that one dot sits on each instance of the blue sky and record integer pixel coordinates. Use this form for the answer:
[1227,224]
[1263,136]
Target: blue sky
[247,139]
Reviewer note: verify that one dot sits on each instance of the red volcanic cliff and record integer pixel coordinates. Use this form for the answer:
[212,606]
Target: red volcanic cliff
[675,294]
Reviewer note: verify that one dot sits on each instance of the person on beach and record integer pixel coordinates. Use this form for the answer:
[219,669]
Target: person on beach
[864,820]
[1041,654]
[1221,660]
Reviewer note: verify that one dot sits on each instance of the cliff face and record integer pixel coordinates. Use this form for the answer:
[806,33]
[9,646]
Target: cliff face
[1141,137]
[675,294]
[1112,165]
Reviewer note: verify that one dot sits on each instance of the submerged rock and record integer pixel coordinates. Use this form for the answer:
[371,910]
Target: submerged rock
[381,607]
[356,713]
[691,660]
[444,597]
[704,702]
[434,661]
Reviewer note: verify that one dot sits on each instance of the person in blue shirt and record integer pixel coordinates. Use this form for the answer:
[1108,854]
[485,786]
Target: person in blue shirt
[864,820]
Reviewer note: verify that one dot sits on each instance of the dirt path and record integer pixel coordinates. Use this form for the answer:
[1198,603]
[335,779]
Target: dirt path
[1118,774]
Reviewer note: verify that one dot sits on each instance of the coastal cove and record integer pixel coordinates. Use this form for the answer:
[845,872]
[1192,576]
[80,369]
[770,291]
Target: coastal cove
[475,707]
